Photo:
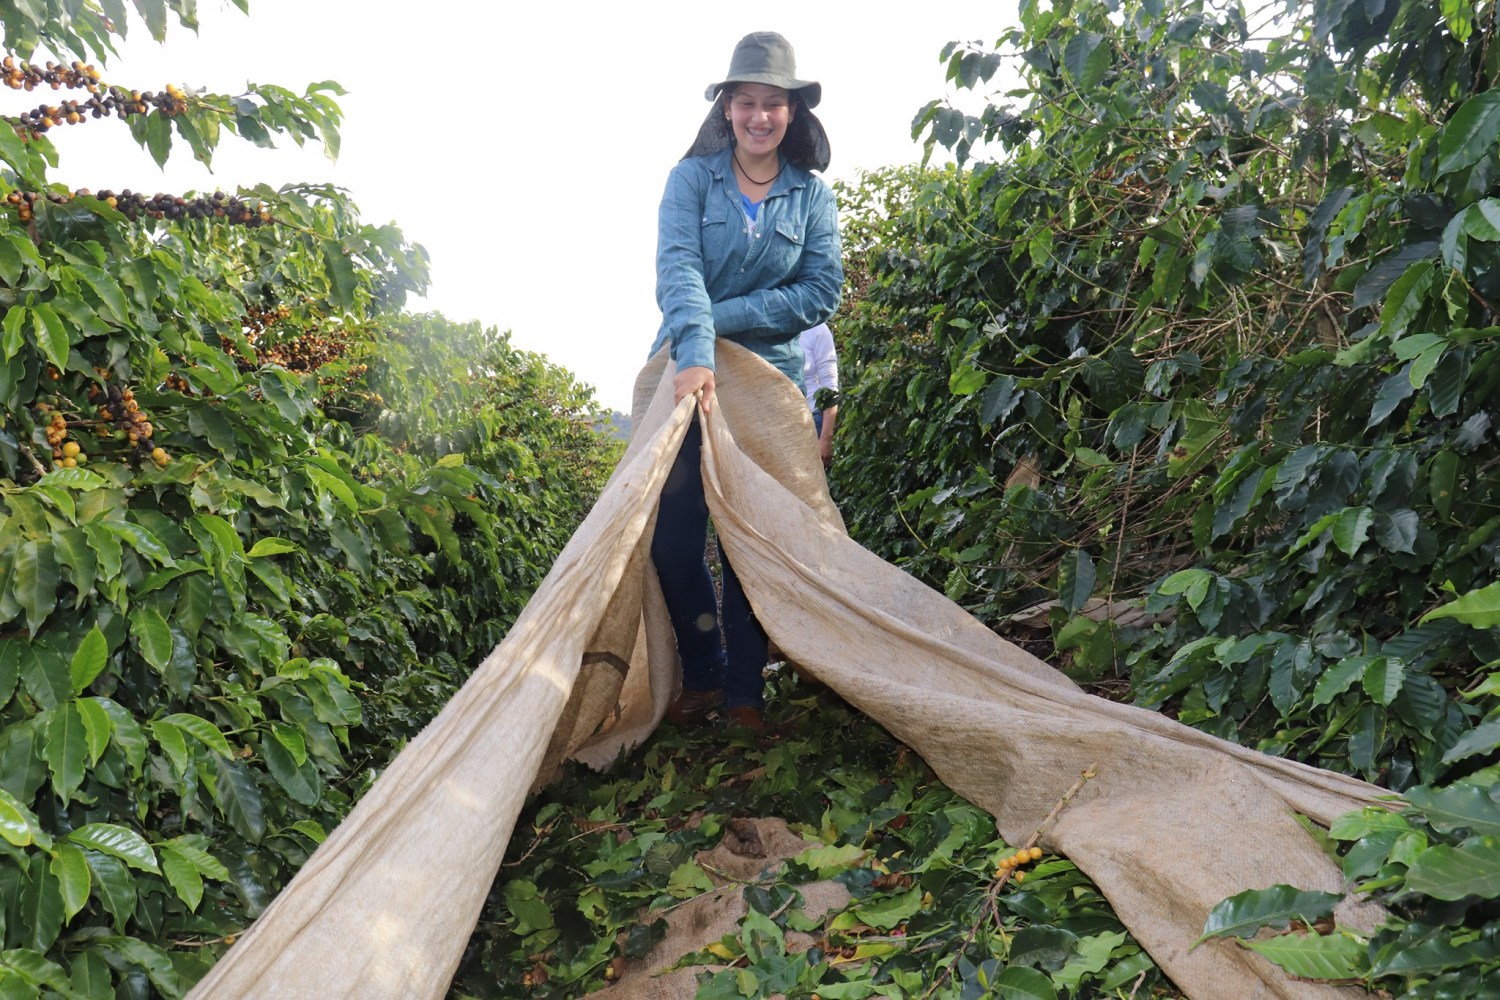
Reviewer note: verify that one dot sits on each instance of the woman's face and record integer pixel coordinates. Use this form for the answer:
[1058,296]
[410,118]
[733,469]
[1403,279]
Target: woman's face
[759,114]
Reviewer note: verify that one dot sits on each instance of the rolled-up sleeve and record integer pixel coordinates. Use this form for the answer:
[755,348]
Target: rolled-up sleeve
[812,297]
[680,292]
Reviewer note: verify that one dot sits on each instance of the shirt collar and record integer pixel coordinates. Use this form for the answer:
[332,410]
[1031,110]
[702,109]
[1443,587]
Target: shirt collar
[721,164]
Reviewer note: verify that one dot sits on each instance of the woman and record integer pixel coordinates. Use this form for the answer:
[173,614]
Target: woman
[748,250]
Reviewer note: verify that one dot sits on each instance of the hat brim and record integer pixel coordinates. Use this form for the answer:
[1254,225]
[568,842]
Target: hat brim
[811,90]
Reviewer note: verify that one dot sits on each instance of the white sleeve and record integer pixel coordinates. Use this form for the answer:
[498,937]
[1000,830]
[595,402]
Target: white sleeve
[822,361]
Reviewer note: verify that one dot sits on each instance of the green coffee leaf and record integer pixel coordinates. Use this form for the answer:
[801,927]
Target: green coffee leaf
[1470,134]
[1193,583]
[18,825]
[114,885]
[1313,956]
[828,860]
[526,906]
[1043,945]
[141,540]
[34,581]
[239,799]
[1355,825]
[1457,807]
[40,908]
[183,876]
[270,547]
[174,744]
[51,335]
[1094,953]
[71,869]
[1383,678]
[200,729]
[153,636]
[1352,529]
[97,727]
[1017,983]
[190,849]
[118,842]
[89,660]
[125,732]
[1339,678]
[1470,869]
[688,880]
[889,911]
[1476,608]
[65,750]
[300,782]
[1243,914]
[1076,579]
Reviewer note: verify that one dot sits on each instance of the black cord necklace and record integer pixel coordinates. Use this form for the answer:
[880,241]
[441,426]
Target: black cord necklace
[752,180]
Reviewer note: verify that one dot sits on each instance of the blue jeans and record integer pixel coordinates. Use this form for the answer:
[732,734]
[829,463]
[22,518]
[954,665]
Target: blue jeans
[677,549]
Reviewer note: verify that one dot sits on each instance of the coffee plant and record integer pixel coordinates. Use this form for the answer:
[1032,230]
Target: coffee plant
[1194,359]
[256,523]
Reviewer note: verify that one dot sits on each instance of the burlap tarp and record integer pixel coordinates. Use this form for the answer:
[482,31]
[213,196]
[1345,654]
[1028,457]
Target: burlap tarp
[1174,822]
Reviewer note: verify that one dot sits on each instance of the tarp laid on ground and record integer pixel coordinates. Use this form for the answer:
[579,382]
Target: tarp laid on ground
[1174,821]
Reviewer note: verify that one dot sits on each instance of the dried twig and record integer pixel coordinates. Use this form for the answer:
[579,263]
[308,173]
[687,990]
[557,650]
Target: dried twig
[41,470]
[536,842]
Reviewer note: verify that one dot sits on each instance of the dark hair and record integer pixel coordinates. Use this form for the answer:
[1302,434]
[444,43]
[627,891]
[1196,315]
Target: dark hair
[805,144]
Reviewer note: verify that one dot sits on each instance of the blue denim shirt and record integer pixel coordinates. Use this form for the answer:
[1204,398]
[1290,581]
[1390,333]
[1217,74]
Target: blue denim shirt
[761,290]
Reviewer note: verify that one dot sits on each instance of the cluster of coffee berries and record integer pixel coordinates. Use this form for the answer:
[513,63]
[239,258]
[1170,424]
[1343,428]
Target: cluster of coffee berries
[118,406]
[308,352]
[260,318]
[65,454]
[231,208]
[133,205]
[25,76]
[114,101]
[22,202]
[1013,863]
[333,384]
[176,383]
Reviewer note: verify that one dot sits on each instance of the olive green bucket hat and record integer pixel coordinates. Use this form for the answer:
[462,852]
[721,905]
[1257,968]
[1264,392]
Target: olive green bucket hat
[766,57]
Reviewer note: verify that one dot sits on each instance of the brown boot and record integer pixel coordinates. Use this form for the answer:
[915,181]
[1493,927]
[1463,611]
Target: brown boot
[747,717]
[694,706]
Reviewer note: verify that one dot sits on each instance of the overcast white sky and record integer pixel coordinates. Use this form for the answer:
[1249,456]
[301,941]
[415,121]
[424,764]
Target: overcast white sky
[525,145]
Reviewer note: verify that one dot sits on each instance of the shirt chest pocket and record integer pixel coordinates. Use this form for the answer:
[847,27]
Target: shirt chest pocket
[713,237]
[783,254]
